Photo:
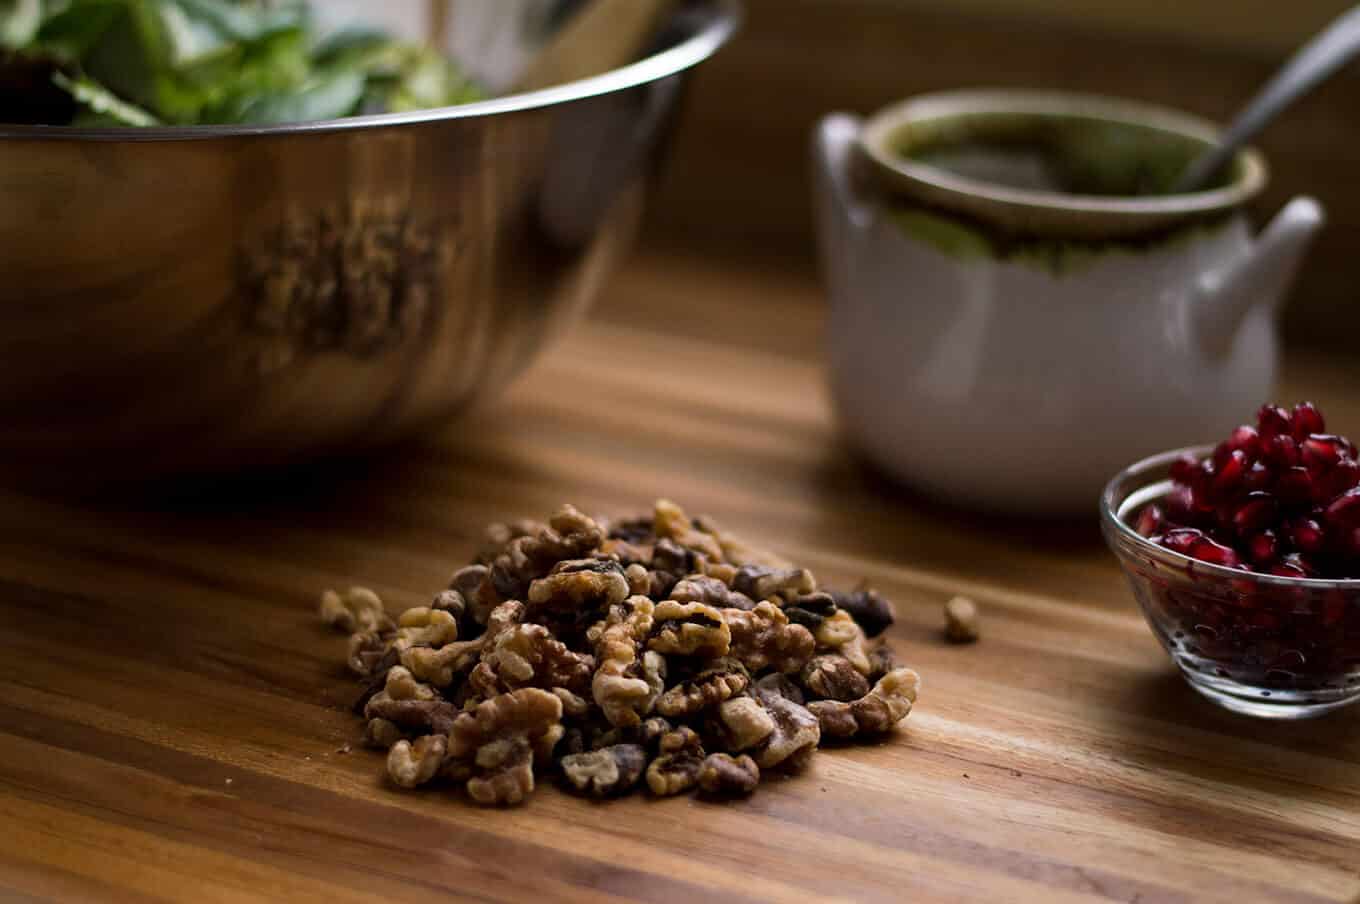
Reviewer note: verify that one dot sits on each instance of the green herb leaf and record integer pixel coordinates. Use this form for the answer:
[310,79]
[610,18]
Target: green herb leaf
[19,22]
[331,97]
[102,102]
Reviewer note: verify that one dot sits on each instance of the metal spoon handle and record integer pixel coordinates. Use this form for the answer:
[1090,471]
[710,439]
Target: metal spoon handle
[1317,60]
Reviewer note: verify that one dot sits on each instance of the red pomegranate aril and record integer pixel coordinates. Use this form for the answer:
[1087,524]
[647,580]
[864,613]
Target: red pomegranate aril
[1179,504]
[1344,511]
[1207,550]
[1150,521]
[1284,569]
[1184,467]
[1321,452]
[1280,451]
[1294,486]
[1263,548]
[1307,536]
[1306,419]
[1272,420]
[1259,478]
[1256,513]
[1294,560]
[1247,440]
[1182,539]
[1339,479]
[1231,474]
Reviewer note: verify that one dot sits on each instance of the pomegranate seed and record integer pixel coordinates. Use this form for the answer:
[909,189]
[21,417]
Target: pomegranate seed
[1286,570]
[1256,513]
[1150,521]
[1307,536]
[1259,479]
[1305,567]
[1273,420]
[1345,510]
[1343,477]
[1180,504]
[1231,474]
[1184,467]
[1294,486]
[1245,439]
[1280,451]
[1306,419]
[1207,550]
[1182,539]
[1321,451]
[1263,548]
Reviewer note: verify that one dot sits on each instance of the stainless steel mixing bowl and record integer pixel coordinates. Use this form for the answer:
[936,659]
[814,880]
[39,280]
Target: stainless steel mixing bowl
[191,301]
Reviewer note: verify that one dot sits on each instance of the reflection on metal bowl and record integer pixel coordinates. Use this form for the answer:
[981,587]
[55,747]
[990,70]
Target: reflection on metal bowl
[204,300]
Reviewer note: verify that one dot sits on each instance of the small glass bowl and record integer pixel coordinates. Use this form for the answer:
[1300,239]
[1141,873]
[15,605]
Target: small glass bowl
[1280,648]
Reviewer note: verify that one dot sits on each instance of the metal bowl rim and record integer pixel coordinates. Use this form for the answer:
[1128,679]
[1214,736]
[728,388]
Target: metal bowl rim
[726,18]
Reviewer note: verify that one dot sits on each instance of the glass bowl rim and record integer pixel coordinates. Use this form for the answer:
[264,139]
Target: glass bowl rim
[1114,526]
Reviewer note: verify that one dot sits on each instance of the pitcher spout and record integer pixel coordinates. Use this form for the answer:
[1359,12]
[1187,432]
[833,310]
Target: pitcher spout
[1260,278]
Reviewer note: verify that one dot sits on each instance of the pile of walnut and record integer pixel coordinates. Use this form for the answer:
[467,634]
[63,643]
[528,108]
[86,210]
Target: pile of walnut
[655,648]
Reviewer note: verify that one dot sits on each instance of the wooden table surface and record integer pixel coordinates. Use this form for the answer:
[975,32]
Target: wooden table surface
[173,717]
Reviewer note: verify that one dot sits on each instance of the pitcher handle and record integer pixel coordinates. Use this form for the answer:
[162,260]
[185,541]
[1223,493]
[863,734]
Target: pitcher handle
[1262,276]
[833,151]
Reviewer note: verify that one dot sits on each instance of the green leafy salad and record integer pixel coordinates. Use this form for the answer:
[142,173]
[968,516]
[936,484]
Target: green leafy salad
[192,62]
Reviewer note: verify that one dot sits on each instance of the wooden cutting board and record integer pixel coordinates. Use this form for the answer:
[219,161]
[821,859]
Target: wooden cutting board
[173,717]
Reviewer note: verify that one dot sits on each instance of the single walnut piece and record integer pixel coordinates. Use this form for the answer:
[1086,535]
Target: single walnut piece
[369,653]
[415,764]
[426,627]
[473,584]
[722,680]
[877,712]
[761,583]
[698,588]
[501,739]
[873,613]
[580,584]
[382,734]
[832,677]
[689,629]
[639,580]
[841,634]
[781,684]
[961,620]
[528,656]
[677,768]
[607,771]
[617,689]
[810,609]
[723,774]
[411,705]
[670,522]
[763,638]
[574,706]
[357,609]
[744,723]
[796,730]
[722,571]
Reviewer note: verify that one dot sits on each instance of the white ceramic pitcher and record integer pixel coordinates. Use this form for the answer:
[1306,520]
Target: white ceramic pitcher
[1009,347]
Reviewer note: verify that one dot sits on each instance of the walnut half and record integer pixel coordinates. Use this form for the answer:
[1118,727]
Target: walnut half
[876,712]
